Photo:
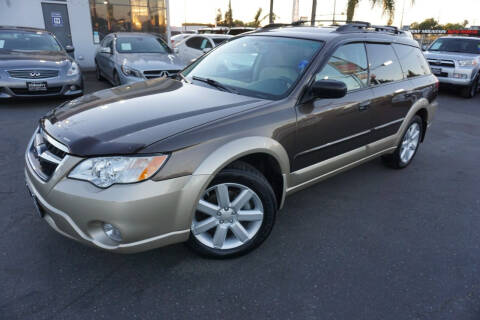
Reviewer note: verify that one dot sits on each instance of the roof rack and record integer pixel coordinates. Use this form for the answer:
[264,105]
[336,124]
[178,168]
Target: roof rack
[347,26]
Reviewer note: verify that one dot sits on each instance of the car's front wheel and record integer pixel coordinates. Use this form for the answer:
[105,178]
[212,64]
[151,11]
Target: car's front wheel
[408,146]
[470,91]
[235,214]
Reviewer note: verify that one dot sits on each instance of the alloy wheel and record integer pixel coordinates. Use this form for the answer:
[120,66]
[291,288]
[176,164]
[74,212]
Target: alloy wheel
[410,143]
[228,215]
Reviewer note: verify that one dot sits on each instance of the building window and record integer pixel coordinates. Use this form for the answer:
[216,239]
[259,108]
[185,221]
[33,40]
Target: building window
[126,16]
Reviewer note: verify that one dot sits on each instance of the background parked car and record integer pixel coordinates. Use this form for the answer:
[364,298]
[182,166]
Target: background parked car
[456,62]
[131,57]
[196,45]
[34,63]
[239,30]
[178,38]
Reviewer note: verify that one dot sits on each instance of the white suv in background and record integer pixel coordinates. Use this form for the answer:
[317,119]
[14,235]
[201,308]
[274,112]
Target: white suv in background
[196,45]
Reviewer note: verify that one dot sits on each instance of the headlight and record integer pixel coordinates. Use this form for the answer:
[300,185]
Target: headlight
[74,69]
[105,171]
[130,72]
[467,63]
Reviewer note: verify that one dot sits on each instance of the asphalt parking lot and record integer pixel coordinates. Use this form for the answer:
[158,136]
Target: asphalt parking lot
[372,243]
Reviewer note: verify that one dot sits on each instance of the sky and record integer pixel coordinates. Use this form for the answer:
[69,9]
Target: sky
[204,11]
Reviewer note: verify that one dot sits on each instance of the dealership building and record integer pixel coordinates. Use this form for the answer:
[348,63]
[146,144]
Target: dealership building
[84,23]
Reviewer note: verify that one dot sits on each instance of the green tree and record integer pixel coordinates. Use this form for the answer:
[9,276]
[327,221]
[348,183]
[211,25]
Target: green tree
[218,17]
[427,24]
[388,7]
[229,15]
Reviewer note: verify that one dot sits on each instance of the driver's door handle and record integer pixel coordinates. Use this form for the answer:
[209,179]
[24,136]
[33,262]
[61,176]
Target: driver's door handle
[364,105]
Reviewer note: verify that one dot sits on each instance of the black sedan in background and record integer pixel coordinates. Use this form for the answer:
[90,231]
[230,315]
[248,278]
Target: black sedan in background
[34,63]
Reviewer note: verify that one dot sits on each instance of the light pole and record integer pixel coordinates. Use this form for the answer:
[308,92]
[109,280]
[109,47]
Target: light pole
[314,11]
[334,11]
[271,12]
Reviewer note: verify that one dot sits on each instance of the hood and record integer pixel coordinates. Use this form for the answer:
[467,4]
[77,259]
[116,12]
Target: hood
[151,61]
[33,59]
[126,119]
[445,55]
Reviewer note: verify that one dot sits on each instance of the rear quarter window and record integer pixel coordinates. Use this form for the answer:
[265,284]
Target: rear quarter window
[412,61]
[383,63]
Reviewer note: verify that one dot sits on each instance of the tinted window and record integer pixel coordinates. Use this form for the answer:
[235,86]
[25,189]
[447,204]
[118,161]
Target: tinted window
[456,45]
[140,45]
[412,60]
[383,63]
[194,42]
[27,41]
[349,65]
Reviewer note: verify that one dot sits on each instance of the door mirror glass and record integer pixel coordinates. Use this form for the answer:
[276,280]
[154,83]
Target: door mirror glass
[69,49]
[328,89]
[106,50]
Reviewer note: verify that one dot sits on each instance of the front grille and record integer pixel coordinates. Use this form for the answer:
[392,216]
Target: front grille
[33,74]
[441,63]
[25,91]
[45,154]
[152,74]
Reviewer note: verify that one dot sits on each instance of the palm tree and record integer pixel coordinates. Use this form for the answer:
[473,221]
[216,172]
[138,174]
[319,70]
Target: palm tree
[388,7]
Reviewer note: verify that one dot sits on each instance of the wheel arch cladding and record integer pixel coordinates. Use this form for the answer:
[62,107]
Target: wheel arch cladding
[423,113]
[265,154]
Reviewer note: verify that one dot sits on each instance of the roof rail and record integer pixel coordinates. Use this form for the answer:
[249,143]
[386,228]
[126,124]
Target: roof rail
[276,25]
[391,29]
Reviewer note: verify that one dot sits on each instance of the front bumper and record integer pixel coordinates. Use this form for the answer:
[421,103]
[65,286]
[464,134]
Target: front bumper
[447,76]
[149,214]
[58,86]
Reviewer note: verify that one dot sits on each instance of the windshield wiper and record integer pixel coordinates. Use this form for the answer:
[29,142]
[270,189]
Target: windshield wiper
[214,83]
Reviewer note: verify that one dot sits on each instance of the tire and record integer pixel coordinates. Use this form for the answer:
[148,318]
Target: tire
[98,74]
[116,79]
[470,91]
[235,177]
[398,160]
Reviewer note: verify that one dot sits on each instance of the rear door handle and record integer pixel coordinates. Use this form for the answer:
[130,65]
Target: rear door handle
[364,105]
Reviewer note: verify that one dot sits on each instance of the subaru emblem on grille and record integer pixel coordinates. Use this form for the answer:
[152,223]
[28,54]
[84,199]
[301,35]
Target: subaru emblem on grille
[34,74]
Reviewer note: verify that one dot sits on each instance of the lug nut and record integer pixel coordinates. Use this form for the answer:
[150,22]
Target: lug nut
[231,220]
[221,221]
[219,213]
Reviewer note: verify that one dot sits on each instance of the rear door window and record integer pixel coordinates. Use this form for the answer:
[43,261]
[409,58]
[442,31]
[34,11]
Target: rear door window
[383,63]
[349,65]
[412,61]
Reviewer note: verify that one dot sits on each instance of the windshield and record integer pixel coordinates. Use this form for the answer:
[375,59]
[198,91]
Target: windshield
[260,66]
[456,45]
[140,45]
[27,41]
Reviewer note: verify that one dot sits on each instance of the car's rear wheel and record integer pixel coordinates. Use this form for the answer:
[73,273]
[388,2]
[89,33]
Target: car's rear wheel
[470,91]
[408,145]
[235,213]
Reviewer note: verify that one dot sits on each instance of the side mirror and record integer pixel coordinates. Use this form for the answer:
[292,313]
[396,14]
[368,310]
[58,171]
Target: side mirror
[205,50]
[106,50]
[69,49]
[328,89]
[424,47]
[175,50]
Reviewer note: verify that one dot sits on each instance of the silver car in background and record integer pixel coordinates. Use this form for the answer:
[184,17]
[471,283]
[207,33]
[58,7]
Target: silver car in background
[456,62]
[131,57]
[33,63]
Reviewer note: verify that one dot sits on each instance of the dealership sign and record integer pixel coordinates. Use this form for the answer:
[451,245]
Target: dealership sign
[57,19]
[463,31]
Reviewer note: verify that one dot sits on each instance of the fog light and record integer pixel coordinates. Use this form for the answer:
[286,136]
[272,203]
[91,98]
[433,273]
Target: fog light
[112,232]
[460,75]
[73,87]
